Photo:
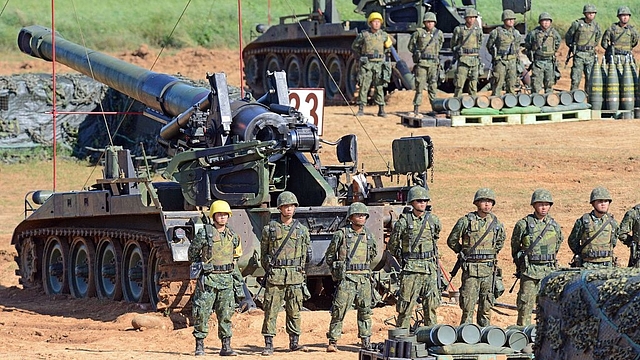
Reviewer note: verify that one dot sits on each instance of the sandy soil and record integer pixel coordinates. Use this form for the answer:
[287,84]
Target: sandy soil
[567,158]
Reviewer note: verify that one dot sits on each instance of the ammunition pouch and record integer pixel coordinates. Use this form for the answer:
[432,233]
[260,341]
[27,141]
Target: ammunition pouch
[498,284]
[386,72]
[542,259]
[418,256]
[597,254]
[576,262]
[338,270]
[287,262]
[216,269]
[585,48]
[363,60]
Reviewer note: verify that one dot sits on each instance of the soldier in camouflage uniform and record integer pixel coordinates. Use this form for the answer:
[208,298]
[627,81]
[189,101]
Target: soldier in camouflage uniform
[349,257]
[630,234]
[504,45]
[425,45]
[582,38]
[214,245]
[285,272]
[541,45]
[594,235]
[466,42]
[621,37]
[535,243]
[414,241]
[371,46]
[482,236]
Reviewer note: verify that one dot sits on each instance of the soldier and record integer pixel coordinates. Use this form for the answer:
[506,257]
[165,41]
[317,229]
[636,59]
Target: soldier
[541,45]
[621,37]
[215,245]
[414,240]
[504,45]
[371,46]
[466,42]
[425,45]
[349,257]
[630,234]
[535,243]
[482,236]
[582,38]
[285,249]
[594,235]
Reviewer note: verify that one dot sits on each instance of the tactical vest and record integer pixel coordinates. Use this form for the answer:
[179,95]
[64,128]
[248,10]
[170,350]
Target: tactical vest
[546,249]
[373,45]
[291,254]
[505,42]
[621,37]
[428,44]
[544,43]
[475,229]
[424,247]
[360,259]
[470,47]
[600,247]
[585,35]
[636,223]
[219,249]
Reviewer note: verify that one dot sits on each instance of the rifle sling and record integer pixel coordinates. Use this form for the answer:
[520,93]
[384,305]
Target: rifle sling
[489,229]
[353,251]
[284,242]
[537,240]
[435,34]
[589,240]
[464,41]
[417,239]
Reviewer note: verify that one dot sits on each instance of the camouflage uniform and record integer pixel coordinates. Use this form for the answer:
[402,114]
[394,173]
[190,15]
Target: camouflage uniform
[619,39]
[425,46]
[599,252]
[584,38]
[354,283]
[370,47]
[541,47]
[537,263]
[466,44]
[216,249]
[630,229]
[504,45]
[419,277]
[478,268]
[286,278]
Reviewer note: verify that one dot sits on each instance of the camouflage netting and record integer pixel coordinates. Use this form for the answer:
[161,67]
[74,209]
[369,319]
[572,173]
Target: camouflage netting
[589,314]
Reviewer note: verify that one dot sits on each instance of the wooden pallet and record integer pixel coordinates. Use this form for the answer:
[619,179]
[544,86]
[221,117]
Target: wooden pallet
[560,116]
[612,114]
[475,120]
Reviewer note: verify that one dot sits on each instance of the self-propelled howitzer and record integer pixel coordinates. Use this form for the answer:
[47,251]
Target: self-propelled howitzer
[127,237]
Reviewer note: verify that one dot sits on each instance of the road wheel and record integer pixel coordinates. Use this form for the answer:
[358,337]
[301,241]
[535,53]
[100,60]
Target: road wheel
[54,266]
[338,72]
[351,79]
[134,272]
[293,67]
[81,268]
[108,265]
[313,72]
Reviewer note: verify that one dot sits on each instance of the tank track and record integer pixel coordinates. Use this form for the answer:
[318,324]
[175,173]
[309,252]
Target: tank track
[174,286]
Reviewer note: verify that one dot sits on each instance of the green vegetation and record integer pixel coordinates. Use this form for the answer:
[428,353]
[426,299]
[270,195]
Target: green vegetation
[124,24]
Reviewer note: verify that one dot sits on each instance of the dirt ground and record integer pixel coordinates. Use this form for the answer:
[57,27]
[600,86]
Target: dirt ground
[567,158]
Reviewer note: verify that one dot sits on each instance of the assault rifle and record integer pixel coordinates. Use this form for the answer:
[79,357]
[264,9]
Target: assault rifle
[196,271]
[634,256]
[570,54]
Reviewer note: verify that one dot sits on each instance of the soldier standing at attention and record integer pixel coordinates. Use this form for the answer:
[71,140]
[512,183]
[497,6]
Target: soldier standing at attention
[535,243]
[582,38]
[371,46]
[504,45]
[349,257]
[541,45]
[425,45]
[482,236]
[630,234]
[466,42]
[594,235]
[214,245]
[285,249]
[414,241]
[621,37]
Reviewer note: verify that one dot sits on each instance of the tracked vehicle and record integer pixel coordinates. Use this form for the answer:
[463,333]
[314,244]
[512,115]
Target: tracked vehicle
[127,237]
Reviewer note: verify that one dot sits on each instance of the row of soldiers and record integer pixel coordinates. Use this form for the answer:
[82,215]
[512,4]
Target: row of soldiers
[540,45]
[477,238]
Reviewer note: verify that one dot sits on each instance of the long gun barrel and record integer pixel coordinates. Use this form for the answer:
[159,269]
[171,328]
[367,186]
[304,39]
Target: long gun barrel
[161,92]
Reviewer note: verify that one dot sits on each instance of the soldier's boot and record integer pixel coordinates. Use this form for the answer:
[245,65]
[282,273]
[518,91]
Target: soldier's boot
[333,346]
[416,110]
[226,348]
[268,346]
[199,347]
[360,110]
[381,112]
[366,343]
[293,343]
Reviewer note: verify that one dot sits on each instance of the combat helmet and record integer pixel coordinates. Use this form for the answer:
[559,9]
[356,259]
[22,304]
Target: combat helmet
[357,208]
[624,10]
[600,193]
[470,12]
[418,193]
[589,8]
[375,16]
[541,195]
[287,198]
[485,193]
[220,206]
[430,17]
[508,14]
[545,16]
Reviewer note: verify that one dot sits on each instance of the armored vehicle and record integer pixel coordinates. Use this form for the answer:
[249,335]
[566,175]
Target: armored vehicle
[302,45]
[127,237]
